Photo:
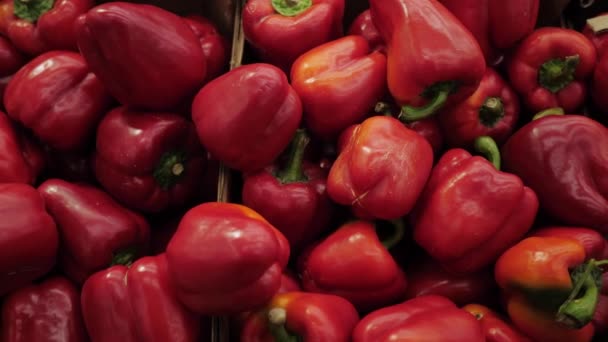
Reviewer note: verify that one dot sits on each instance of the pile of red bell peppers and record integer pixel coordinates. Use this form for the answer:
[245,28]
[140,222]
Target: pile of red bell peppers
[429,171]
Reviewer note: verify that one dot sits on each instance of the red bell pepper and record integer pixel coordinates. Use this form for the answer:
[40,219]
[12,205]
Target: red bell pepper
[148,161]
[363,25]
[469,200]
[136,304]
[173,69]
[39,26]
[360,251]
[96,232]
[600,84]
[232,273]
[57,97]
[550,68]
[494,327]
[486,19]
[6,15]
[552,290]
[338,83]
[562,158]
[29,239]
[596,30]
[427,277]
[49,311]
[249,133]
[216,47]
[11,59]
[427,318]
[293,199]
[20,160]
[381,169]
[433,60]
[493,110]
[302,316]
[282,30]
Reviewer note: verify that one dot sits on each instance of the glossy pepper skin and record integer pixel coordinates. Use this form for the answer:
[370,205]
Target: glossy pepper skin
[29,243]
[550,68]
[20,158]
[39,26]
[360,251]
[338,82]
[248,134]
[381,169]
[495,327]
[492,110]
[552,292]
[96,232]
[231,274]
[486,19]
[150,161]
[282,30]
[363,25]
[466,196]
[302,316]
[596,30]
[155,82]
[600,84]
[68,98]
[216,47]
[562,158]
[136,304]
[427,318]
[49,311]
[293,198]
[427,277]
[433,60]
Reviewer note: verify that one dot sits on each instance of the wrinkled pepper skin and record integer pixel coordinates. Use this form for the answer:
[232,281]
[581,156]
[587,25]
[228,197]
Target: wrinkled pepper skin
[492,110]
[339,83]
[36,28]
[68,98]
[427,318]
[150,161]
[381,169]
[600,84]
[136,304]
[486,19]
[49,311]
[427,277]
[562,158]
[216,47]
[19,156]
[279,39]
[550,69]
[307,317]
[363,25]
[504,210]
[96,232]
[294,198]
[433,60]
[249,133]
[173,69]
[494,327]
[231,274]
[598,34]
[360,251]
[540,267]
[29,243]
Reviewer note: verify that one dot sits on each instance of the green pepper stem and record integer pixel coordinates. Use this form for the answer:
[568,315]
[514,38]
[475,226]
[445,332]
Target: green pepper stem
[124,257]
[397,234]
[549,111]
[491,111]
[578,310]
[170,169]
[437,94]
[556,74]
[487,146]
[31,10]
[277,317]
[383,108]
[293,172]
[290,8]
